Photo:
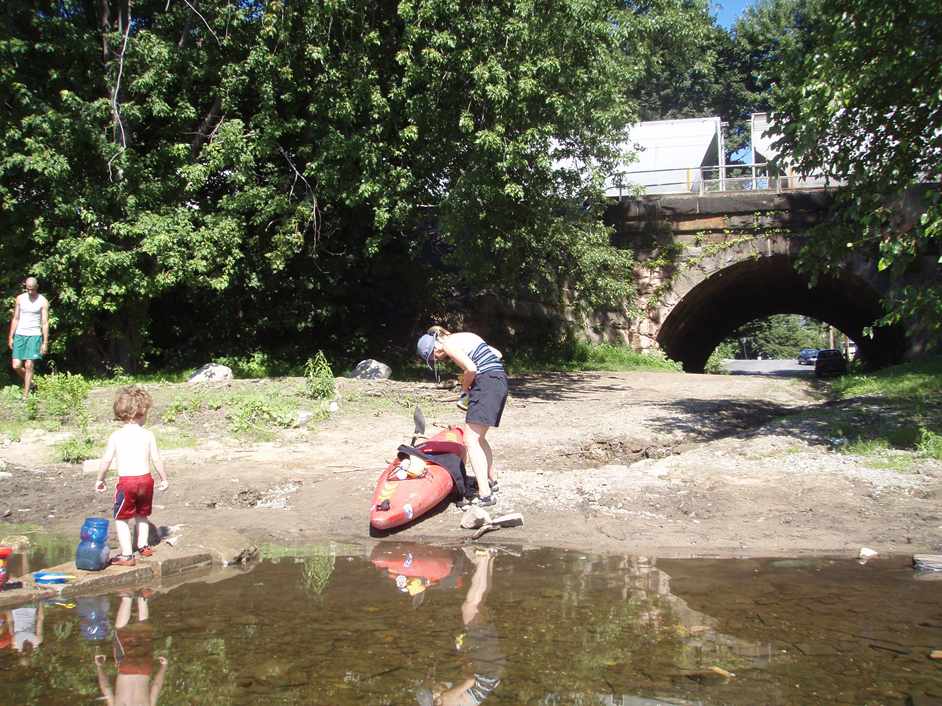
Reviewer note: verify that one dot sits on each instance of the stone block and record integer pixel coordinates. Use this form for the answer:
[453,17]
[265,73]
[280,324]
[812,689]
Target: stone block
[211,372]
[370,369]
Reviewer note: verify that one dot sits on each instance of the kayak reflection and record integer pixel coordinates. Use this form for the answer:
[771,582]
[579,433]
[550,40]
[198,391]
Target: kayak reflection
[414,568]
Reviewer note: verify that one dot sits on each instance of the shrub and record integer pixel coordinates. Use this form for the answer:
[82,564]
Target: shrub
[930,444]
[60,395]
[319,378]
[77,449]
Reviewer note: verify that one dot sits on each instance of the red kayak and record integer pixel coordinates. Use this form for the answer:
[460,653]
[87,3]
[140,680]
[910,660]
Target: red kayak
[415,482]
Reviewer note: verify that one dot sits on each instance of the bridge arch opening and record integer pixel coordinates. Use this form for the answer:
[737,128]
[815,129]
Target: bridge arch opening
[760,287]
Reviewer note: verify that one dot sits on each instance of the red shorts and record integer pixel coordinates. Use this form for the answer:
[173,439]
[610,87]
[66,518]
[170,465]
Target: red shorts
[133,497]
[133,649]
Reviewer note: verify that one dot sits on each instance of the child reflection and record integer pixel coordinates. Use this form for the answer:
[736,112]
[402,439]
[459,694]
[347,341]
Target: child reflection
[478,644]
[22,629]
[133,655]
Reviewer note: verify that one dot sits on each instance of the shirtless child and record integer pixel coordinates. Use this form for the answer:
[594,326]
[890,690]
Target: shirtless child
[135,451]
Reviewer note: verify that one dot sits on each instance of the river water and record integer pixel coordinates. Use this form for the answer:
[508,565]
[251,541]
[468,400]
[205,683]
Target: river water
[419,624]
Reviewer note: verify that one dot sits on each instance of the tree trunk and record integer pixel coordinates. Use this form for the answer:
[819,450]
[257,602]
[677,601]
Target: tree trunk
[205,128]
[104,23]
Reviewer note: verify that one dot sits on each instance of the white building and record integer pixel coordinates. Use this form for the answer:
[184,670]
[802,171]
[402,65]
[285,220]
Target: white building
[672,156]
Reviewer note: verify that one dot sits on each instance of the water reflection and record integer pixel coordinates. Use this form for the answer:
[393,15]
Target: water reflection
[133,652]
[21,629]
[408,623]
[415,568]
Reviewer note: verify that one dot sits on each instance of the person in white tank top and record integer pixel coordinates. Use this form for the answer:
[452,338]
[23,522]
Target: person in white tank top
[29,331]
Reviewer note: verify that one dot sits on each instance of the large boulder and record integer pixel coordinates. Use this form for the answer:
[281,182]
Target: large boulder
[211,372]
[370,369]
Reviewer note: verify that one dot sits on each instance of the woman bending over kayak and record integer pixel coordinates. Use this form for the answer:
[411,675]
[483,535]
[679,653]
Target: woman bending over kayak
[485,381]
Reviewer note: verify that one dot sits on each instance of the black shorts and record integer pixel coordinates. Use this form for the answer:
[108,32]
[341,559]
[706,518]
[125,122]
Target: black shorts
[486,398]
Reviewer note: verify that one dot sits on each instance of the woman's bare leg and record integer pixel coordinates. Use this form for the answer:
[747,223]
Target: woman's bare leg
[489,453]
[479,458]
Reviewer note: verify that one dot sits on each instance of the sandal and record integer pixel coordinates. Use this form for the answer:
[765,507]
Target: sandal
[146,550]
[122,560]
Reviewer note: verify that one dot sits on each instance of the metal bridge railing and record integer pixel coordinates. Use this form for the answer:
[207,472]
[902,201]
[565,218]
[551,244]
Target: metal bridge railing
[714,179]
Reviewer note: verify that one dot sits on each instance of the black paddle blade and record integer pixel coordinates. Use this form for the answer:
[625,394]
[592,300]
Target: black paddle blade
[419,419]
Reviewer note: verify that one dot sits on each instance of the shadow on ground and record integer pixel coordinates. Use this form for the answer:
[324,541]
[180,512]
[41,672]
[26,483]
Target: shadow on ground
[554,387]
[706,420]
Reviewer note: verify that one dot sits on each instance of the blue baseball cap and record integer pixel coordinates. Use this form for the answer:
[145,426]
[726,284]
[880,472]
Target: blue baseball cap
[426,349]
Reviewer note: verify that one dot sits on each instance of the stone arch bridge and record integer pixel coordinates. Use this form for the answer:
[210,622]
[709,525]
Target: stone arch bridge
[709,263]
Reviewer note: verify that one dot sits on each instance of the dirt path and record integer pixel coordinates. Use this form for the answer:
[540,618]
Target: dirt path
[643,463]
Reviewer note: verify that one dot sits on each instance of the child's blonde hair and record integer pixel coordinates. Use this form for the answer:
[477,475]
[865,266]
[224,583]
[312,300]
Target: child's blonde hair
[132,403]
[438,331]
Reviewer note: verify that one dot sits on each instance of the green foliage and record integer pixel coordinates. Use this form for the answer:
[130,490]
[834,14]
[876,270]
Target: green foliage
[183,407]
[724,351]
[78,448]
[757,42]
[917,380]
[857,99]
[259,414]
[580,355]
[319,378]
[61,395]
[256,365]
[267,171]
[317,571]
[684,73]
[911,417]
[930,444]
[779,336]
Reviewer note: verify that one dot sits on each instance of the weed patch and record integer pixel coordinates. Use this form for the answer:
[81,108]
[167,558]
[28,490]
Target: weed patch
[80,447]
[579,355]
[865,447]
[901,463]
[259,414]
[173,438]
[930,444]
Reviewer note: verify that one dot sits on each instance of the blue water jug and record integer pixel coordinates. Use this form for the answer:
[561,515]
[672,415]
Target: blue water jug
[93,553]
[93,617]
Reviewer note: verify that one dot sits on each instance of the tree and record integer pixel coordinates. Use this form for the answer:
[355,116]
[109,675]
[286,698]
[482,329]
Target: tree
[777,336]
[203,175]
[682,75]
[756,45]
[857,99]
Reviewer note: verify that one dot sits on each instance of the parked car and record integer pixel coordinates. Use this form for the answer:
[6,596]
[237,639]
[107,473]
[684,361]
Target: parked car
[807,356]
[830,361]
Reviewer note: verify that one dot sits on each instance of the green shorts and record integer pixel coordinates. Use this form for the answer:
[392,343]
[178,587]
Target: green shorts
[27,347]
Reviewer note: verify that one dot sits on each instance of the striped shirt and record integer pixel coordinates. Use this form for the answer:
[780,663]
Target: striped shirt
[485,358]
